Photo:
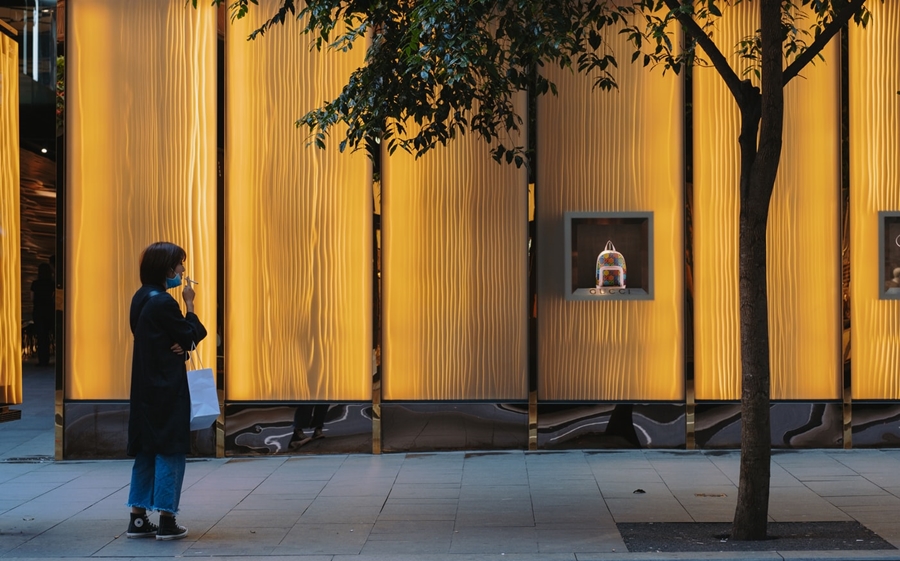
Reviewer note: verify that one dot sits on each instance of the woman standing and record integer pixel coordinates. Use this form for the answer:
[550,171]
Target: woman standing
[159,421]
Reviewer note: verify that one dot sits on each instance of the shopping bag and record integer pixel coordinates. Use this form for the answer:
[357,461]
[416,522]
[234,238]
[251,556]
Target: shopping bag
[204,398]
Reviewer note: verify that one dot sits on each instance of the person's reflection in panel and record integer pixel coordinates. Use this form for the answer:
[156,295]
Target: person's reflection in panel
[308,416]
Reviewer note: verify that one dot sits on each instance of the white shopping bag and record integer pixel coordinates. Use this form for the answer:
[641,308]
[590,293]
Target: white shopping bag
[204,398]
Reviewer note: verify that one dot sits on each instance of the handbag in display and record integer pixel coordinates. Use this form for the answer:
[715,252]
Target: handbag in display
[610,267]
[204,397]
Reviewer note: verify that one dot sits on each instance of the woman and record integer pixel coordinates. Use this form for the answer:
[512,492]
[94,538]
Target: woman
[159,422]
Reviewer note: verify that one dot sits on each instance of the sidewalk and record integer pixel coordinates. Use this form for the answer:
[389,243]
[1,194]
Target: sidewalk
[455,506]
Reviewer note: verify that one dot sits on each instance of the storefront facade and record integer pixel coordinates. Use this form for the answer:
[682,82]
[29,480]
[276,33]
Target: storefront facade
[449,302]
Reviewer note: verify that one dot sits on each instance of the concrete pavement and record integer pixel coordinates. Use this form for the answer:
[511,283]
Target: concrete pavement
[453,506]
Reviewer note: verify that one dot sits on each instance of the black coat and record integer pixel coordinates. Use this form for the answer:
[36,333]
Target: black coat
[159,421]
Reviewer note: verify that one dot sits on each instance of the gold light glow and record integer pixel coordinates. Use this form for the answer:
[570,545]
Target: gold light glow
[299,271]
[803,233]
[454,269]
[874,186]
[611,152]
[10,279]
[140,167]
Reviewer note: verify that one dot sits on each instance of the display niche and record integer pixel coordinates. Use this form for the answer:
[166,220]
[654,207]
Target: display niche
[609,256]
[889,252]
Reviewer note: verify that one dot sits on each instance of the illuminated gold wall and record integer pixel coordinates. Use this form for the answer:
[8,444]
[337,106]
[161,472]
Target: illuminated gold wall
[10,279]
[140,167]
[874,186]
[803,240]
[611,152]
[454,226]
[298,291]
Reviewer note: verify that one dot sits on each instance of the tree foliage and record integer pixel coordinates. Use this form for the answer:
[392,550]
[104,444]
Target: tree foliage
[450,66]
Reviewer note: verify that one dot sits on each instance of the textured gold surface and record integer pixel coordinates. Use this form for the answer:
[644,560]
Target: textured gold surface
[140,167]
[874,186]
[803,235]
[454,269]
[298,291]
[608,152]
[10,279]
[804,269]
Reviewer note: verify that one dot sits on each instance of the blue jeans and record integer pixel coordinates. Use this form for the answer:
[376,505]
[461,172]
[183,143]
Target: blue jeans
[156,482]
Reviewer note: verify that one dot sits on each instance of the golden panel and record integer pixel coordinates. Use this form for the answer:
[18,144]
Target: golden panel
[140,167]
[10,278]
[298,291]
[454,228]
[616,151]
[803,241]
[874,186]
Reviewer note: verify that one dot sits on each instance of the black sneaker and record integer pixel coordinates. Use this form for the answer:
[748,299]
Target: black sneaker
[169,529]
[141,527]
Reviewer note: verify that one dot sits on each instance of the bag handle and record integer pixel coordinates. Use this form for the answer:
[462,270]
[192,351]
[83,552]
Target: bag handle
[194,357]
[609,246]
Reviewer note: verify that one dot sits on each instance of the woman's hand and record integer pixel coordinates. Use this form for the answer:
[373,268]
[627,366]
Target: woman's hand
[176,348]
[188,292]
[188,295]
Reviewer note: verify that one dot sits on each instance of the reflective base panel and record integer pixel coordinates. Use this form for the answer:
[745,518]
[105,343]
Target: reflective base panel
[876,425]
[417,427]
[266,428]
[794,425]
[100,430]
[610,425]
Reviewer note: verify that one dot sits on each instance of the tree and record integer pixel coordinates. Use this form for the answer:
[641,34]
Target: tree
[448,66]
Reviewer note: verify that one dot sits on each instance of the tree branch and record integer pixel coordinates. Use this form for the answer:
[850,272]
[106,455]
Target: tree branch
[840,19]
[718,60]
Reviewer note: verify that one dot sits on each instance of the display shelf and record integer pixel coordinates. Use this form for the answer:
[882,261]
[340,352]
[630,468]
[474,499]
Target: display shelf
[586,236]
[889,255]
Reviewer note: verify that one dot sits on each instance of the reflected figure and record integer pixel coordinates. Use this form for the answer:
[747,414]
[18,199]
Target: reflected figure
[310,416]
[43,291]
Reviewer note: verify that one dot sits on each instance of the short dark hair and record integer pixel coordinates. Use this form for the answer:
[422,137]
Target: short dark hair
[157,260]
[45,271]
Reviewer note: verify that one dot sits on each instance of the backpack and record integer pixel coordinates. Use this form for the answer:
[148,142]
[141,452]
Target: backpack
[610,267]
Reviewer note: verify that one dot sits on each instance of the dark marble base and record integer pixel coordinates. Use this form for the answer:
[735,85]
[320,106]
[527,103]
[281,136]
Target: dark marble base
[794,425]
[100,431]
[419,427]
[623,425]
[876,425]
[264,429]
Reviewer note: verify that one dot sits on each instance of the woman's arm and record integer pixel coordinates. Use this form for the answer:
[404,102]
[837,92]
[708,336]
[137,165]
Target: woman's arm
[186,330]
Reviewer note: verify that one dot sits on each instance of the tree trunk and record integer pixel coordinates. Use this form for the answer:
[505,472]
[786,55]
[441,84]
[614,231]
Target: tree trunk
[752,512]
[763,112]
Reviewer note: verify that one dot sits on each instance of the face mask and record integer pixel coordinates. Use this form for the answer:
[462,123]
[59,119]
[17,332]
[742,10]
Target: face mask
[173,282]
